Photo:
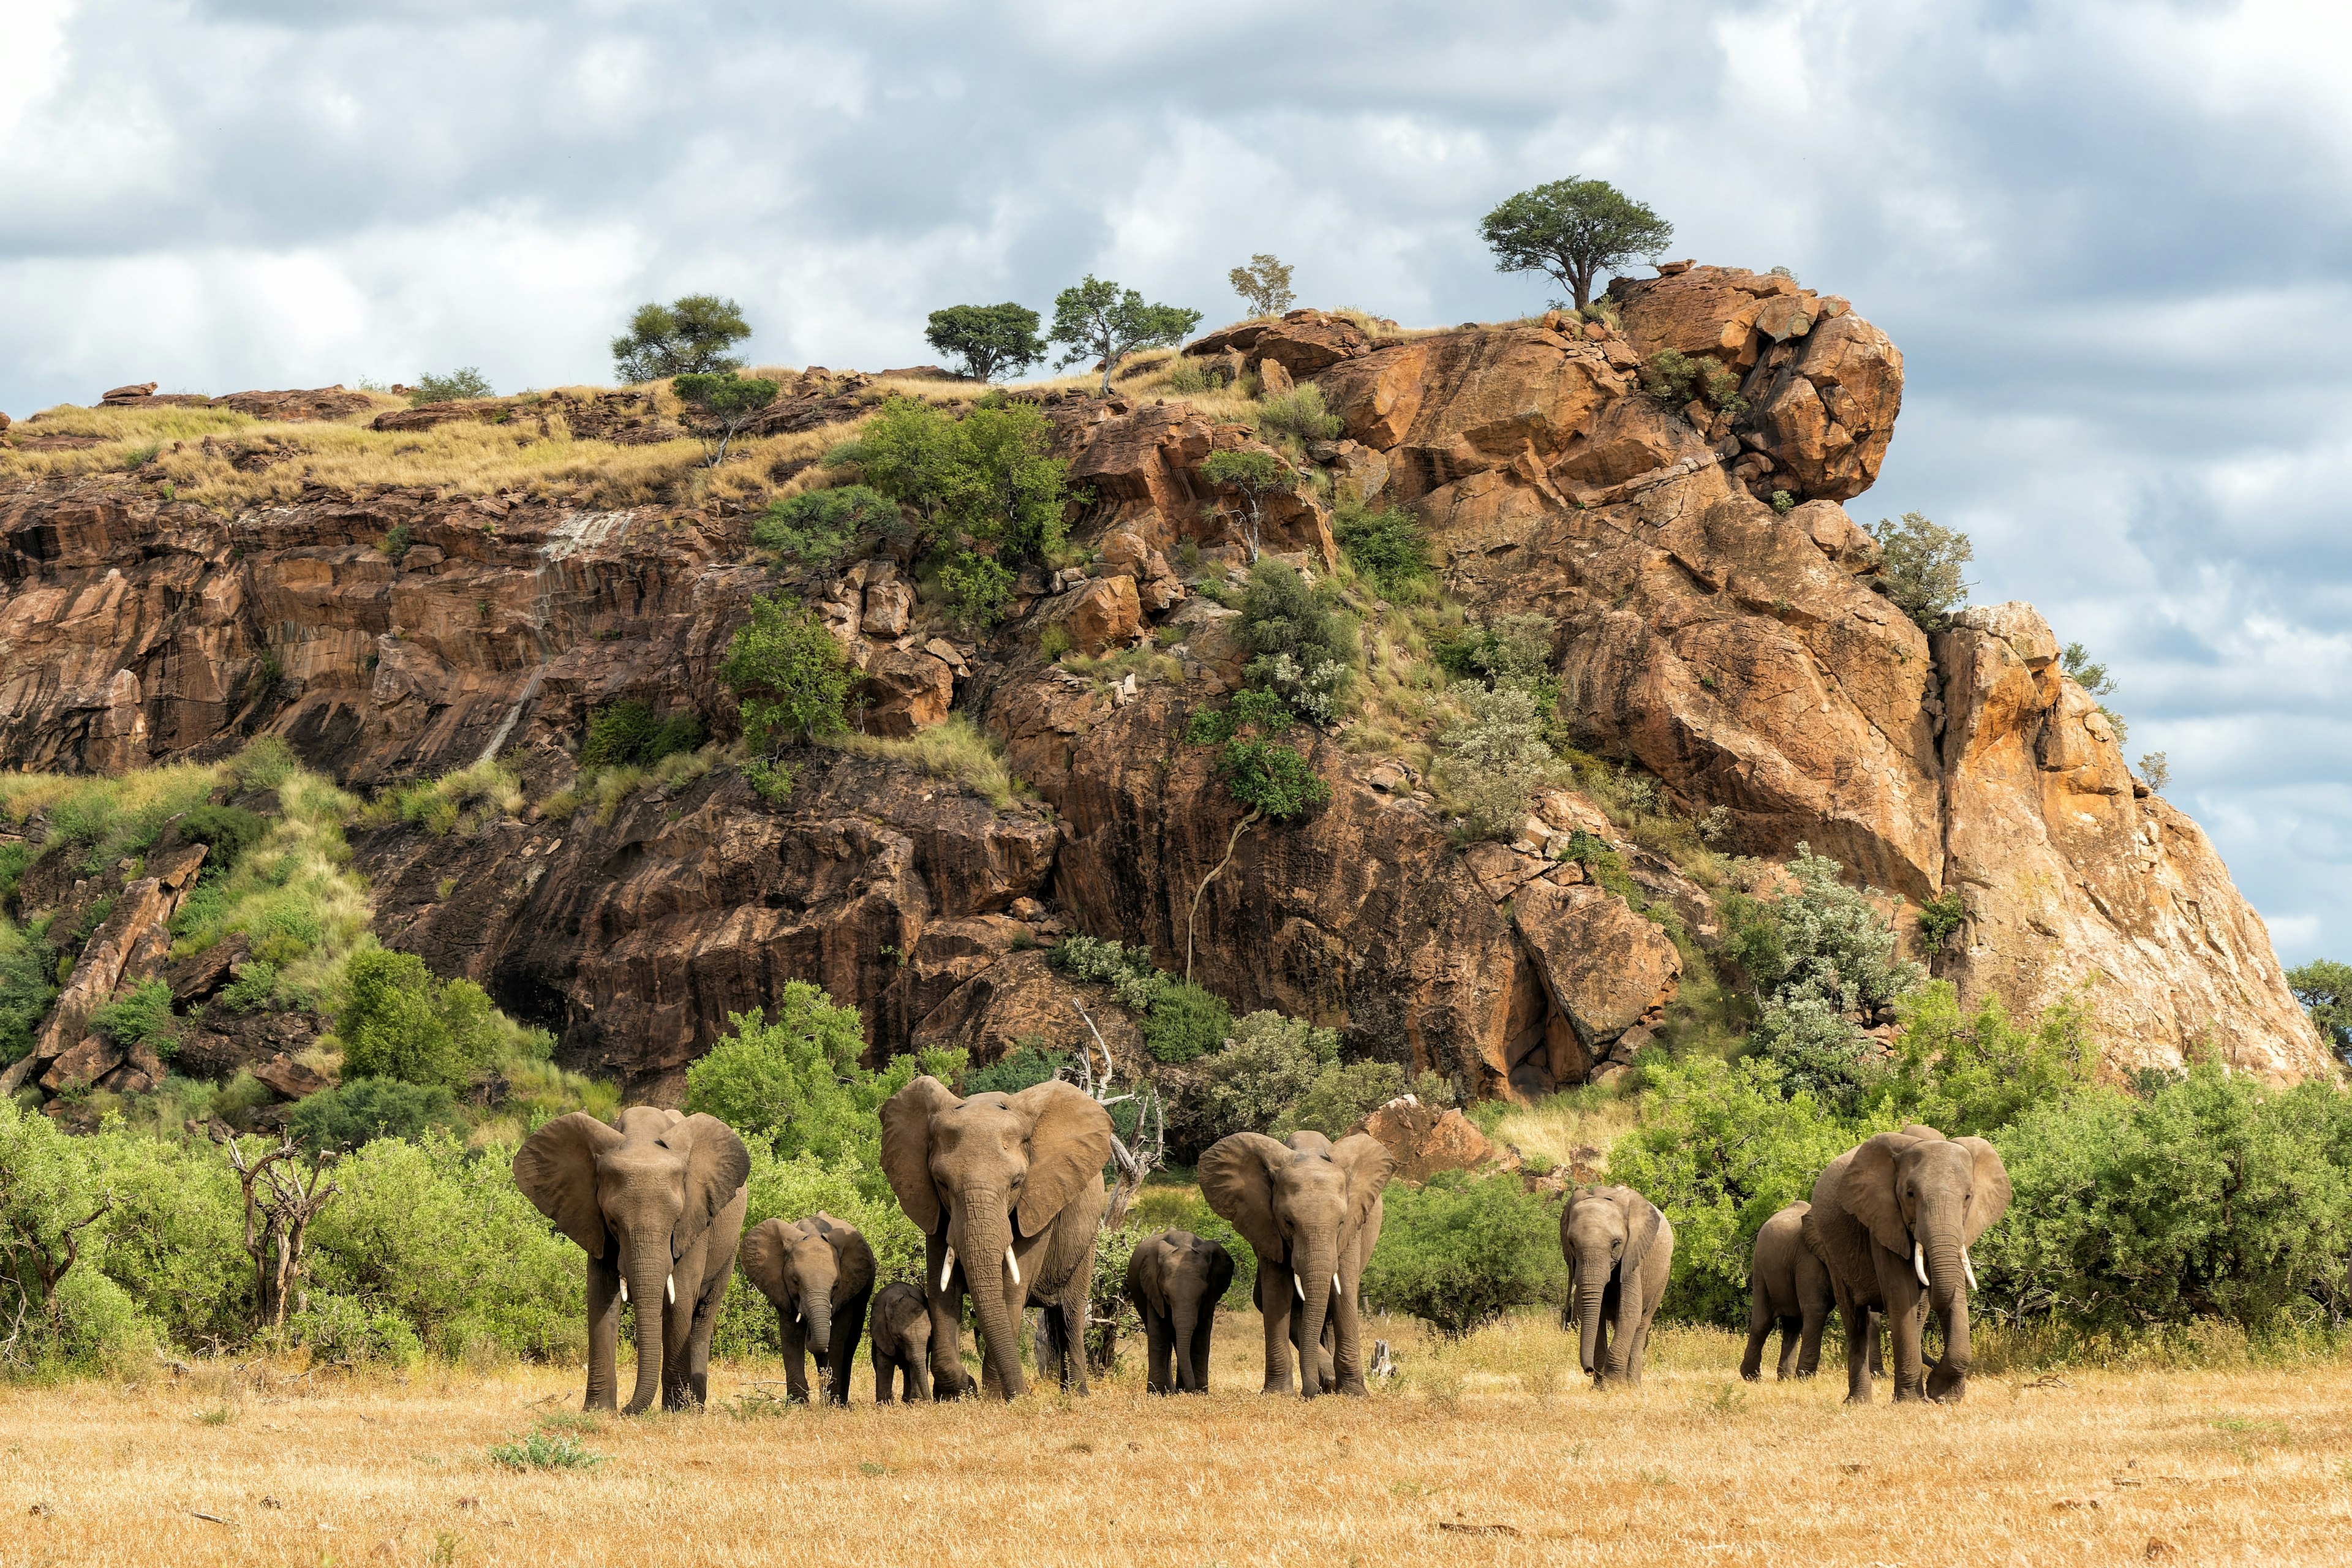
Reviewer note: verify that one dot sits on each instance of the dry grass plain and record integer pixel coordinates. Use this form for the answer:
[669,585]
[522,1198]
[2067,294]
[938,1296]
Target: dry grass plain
[1488,1453]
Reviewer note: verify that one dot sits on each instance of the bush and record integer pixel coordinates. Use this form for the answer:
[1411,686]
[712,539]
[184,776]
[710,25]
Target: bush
[27,985]
[1185,1022]
[1279,1074]
[466,381]
[978,588]
[1253,473]
[1305,645]
[625,735]
[1507,650]
[141,1016]
[398,1022]
[2323,987]
[1462,1251]
[1920,568]
[174,1239]
[983,480]
[227,831]
[1494,758]
[1300,414]
[1027,1066]
[1389,546]
[1973,1074]
[821,527]
[361,1109]
[345,1331]
[789,676]
[1180,1019]
[1271,778]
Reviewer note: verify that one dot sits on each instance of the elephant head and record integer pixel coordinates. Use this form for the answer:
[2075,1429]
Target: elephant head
[636,1197]
[1306,1205]
[798,1266]
[987,1175]
[1606,1230]
[1926,1198]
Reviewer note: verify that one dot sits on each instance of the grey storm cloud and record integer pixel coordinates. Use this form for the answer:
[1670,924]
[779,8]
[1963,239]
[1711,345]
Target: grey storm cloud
[2112,239]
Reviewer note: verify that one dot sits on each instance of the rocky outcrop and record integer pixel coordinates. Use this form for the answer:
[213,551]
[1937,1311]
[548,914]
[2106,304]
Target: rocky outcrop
[1427,1140]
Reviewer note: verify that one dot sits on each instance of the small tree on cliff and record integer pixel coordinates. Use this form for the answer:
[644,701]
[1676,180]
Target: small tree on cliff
[792,680]
[1265,283]
[1920,568]
[1575,230]
[992,340]
[688,336]
[718,406]
[1101,321]
[2325,988]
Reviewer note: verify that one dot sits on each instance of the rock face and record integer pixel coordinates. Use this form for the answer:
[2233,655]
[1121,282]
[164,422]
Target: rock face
[1739,655]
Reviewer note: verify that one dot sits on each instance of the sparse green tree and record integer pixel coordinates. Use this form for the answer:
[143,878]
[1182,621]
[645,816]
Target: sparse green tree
[2325,988]
[1253,474]
[2156,768]
[1264,285]
[818,528]
[990,341]
[466,381]
[1575,230]
[688,336]
[718,406]
[1101,321]
[1920,568]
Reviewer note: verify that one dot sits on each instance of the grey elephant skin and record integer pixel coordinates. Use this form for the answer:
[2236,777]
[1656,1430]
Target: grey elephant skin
[1620,1250]
[656,1199]
[1176,1279]
[1892,1221]
[1311,1211]
[1007,1191]
[1788,1288]
[818,1273]
[902,1343]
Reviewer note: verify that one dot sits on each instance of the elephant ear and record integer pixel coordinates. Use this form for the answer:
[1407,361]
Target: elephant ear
[556,1169]
[1992,1188]
[716,1165]
[1368,1164]
[1221,1274]
[765,1248]
[906,1148]
[1237,1177]
[1642,1219]
[1922,1131]
[1868,1191]
[1069,1144]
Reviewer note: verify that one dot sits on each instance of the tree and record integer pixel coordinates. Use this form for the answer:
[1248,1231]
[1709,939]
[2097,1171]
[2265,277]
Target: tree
[720,405]
[688,336]
[1256,474]
[1573,229]
[398,1022]
[1920,568]
[991,341]
[466,381]
[1265,283]
[1100,320]
[2156,769]
[2325,988]
[791,679]
[2092,678]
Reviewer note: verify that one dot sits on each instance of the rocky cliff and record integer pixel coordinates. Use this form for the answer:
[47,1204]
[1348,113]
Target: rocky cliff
[1719,629]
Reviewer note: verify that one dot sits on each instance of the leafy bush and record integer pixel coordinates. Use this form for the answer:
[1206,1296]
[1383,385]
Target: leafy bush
[27,985]
[254,986]
[1971,1074]
[1494,758]
[820,527]
[1300,414]
[1278,1075]
[1306,646]
[1027,1064]
[544,1451]
[1462,1251]
[1506,650]
[141,1016]
[1389,546]
[1255,475]
[466,381]
[790,677]
[983,480]
[1920,568]
[978,588]
[346,1331]
[228,831]
[625,735]
[2325,988]
[1271,778]
[720,406]
[1185,1021]
[361,1110]
[398,1022]
[1940,919]
[1180,1019]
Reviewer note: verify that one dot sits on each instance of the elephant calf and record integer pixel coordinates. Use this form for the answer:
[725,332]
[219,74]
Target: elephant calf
[1176,1279]
[1789,1289]
[819,1273]
[902,1343]
[1620,1250]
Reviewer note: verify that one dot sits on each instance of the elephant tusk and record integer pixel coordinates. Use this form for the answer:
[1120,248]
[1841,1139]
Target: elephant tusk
[1968,1268]
[1298,1286]
[625,1290]
[947,1268]
[670,1286]
[1919,1264]
[1337,1289]
[1014,1264]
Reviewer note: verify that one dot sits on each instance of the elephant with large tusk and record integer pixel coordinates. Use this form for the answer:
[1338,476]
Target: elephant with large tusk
[1311,1210]
[1893,1220]
[657,1201]
[1007,1191]
[1620,1250]
[818,1273]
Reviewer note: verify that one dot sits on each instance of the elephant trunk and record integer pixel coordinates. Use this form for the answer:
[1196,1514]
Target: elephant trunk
[1592,1279]
[1185,1315]
[817,1275]
[1317,1267]
[648,1272]
[1947,1294]
[981,1234]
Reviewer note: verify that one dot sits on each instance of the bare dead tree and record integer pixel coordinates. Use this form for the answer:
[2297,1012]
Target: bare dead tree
[281,1198]
[1135,1159]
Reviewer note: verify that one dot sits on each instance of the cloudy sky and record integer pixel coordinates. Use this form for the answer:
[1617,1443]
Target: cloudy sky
[2112,239]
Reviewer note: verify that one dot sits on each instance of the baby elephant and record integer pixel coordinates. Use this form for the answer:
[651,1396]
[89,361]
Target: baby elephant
[1788,1287]
[1176,1279]
[819,1273]
[902,1343]
[1620,1250]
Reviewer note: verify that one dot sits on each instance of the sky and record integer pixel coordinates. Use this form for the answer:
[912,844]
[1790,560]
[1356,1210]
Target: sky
[2111,239]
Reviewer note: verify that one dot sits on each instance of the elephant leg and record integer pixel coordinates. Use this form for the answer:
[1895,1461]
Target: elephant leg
[1759,1329]
[1159,1342]
[848,1328]
[1201,1333]
[1909,1323]
[1273,1298]
[1809,1347]
[946,1304]
[1858,1346]
[882,1374]
[795,1345]
[918,1380]
[698,1349]
[1790,1330]
[1078,1296]
[1348,1346]
[1877,1357]
[604,1332]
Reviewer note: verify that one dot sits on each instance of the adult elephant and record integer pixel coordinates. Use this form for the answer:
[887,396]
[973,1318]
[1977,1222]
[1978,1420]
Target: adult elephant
[1620,1250]
[1007,1191]
[1893,1220]
[1789,1287]
[1176,1279]
[1310,1209]
[656,1199]
[818,1273]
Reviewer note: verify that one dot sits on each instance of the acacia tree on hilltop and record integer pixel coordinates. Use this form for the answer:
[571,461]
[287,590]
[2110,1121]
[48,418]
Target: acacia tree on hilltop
[1265,283]
[1575,230]
[992,340]
[1101,319]
[688,336]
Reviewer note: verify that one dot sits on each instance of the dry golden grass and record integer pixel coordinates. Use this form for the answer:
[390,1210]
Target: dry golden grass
[1557,1128]
[1457,1461]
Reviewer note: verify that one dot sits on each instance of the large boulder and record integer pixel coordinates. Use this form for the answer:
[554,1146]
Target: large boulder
[1100,614]
[1826,407]
[1426,1140]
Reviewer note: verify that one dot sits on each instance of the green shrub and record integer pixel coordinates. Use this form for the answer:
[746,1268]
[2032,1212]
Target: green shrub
[1272,779]
[467,381]
[1504,650]
[1279,1075]
[398,1022]
[2323,987]
[174,1239]
[789,676]
[1185,1022]
[141,1016]
[1671,376]
[228,831]
[617,734]
[983,480]
[1028,1064]
[1180,1020]
[820,527]
[1494,758]
[978,588]
[27,985]
[1941,918]
[254,987]
[1300,414]
[345,1331]
[1306,646]
[1919,570]
[1389,546]
[542,1451]
[1971,1074]
[1462,1251]
[361,1109]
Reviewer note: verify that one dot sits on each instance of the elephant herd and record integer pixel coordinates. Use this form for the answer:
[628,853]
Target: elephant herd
[1007,1192]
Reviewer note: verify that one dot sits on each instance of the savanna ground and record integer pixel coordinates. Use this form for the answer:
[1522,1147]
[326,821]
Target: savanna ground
[1492,1451]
